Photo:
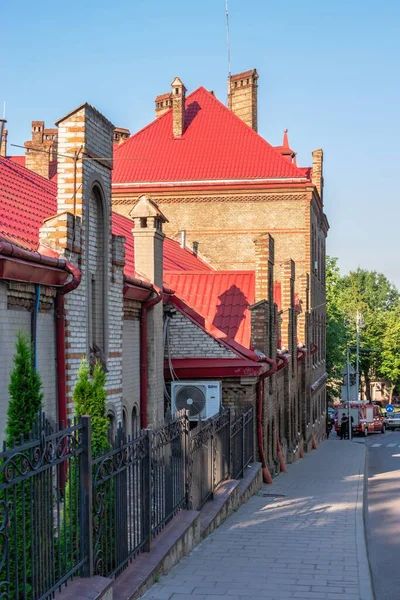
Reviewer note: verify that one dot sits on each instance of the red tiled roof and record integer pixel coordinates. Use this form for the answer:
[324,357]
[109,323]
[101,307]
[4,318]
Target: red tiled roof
[216,145]
[27,199]
[221,297]
[175,257]
[20,160]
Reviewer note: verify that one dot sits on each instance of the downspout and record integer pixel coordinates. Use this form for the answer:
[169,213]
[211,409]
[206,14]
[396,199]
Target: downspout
[260,403]
[60,340]
[143,355]
[34,324]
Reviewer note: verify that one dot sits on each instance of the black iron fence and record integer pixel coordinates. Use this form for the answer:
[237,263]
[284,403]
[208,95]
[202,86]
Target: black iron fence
[41,502]
[63,512]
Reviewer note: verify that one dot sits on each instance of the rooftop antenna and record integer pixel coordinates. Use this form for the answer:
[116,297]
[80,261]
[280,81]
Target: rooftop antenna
[228,47]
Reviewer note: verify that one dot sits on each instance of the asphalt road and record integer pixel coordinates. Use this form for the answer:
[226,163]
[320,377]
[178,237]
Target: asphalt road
[383,517]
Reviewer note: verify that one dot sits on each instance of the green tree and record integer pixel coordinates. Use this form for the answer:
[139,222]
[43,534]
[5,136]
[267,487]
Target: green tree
[390,359]
[26,398]
[335,329]
[25,391]
[90,398]
[377,299]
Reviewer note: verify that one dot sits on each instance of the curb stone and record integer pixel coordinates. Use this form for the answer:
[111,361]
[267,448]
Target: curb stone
[364,568]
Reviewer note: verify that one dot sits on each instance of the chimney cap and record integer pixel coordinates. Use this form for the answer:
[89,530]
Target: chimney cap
[177,82]
[146,207]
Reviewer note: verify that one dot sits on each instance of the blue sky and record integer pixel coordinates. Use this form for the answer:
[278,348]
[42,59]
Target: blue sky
[329,72]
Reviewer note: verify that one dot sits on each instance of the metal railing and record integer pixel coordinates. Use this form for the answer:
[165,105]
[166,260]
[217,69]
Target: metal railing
[40,506]
[63,512]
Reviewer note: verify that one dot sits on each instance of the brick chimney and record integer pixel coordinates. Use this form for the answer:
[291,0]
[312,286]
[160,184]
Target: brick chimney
[262,312]
[3,145]
[178,106]
[148,240]
[41,151]
[242,97]
[317,171]
[163,103]
[120,135]
[289,333]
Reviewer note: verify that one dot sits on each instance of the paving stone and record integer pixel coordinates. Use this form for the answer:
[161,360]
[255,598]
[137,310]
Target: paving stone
[283,548]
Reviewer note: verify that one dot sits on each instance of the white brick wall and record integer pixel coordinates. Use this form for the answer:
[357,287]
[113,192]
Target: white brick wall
[131,368]
[186,340]
[47,362]
[11,322]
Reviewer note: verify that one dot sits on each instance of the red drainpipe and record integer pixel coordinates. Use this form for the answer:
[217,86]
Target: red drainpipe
[143,355]
[260,401]
[60,340]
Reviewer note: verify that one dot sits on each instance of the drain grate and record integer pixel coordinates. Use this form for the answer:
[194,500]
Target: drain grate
[272,495]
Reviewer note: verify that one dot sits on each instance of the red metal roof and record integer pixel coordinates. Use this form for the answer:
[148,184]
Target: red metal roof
[216,145]
[27,199]
[20,160]
[221,297]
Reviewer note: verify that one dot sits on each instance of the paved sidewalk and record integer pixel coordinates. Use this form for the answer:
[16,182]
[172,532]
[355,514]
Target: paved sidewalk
[308,544]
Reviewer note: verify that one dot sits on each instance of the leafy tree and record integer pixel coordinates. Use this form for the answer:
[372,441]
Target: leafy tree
[90,398]
[335,329]
[377,299]
[390,361]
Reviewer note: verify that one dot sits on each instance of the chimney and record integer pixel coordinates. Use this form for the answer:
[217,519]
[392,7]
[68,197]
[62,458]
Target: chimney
[317,171]
[262,312]
[148,241]
[289,333]
[41,151]
[120,135]
[163,103]
[178,106]
[183,238]
[242,97]
[4,134]
[195,248]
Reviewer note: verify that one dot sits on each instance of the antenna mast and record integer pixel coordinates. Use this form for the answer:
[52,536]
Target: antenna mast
[228,47]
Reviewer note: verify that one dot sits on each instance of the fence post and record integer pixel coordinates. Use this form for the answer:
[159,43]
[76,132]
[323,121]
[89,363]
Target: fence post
[147,495]
[86,508]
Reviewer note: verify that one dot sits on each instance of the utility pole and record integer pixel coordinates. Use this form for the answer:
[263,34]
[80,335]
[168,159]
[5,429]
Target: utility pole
[358,319]
[348,390]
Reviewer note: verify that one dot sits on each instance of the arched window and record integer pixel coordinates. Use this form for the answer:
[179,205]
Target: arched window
[125,421]
[97,262]
[135,422]
[112,429]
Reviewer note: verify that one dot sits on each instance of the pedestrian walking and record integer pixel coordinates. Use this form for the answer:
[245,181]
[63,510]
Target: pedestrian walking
[343,427]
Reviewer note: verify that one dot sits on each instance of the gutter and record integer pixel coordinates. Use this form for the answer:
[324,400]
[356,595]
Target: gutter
[18,264]
[160,295]
[60,340]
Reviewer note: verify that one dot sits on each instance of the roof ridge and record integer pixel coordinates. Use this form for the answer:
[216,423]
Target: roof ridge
[215,99]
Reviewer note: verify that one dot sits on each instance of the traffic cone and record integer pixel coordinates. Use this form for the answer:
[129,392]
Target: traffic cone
[282,464]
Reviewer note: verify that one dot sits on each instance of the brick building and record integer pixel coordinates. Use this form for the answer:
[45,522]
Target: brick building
[112,286]
[220,185]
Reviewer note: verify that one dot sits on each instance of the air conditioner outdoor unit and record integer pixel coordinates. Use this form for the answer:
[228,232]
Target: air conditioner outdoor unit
[201,398]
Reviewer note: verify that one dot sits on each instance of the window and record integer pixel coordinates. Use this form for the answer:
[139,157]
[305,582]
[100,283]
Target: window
[97,261]
[135,422]
[112,427]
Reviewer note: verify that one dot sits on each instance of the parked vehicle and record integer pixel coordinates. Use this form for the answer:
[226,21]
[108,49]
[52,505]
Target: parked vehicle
[331,415]
[392,420]
[365,418]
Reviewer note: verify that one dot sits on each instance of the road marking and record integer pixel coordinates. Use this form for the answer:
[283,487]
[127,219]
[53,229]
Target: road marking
[376,445]
[391,445]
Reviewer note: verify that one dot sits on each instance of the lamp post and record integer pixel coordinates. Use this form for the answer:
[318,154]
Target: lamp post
[348,390]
